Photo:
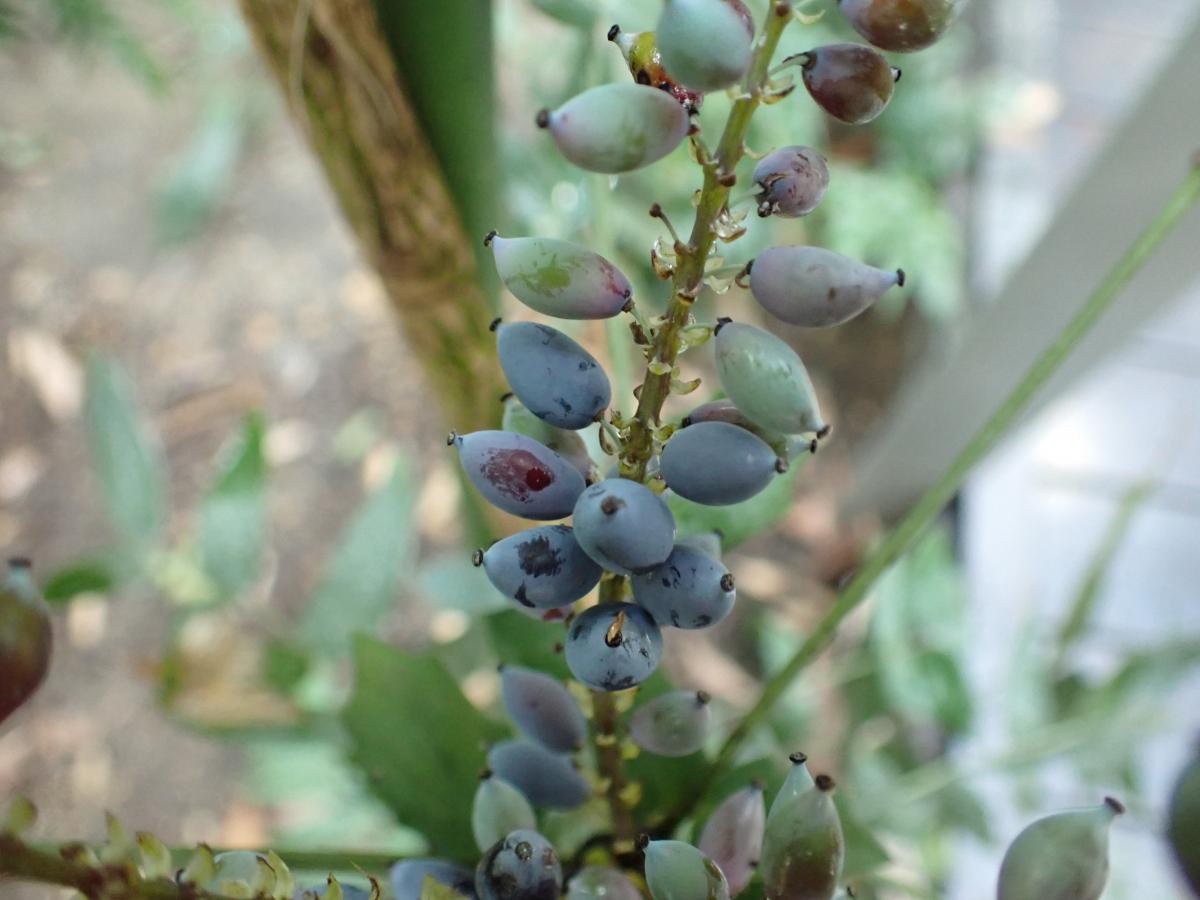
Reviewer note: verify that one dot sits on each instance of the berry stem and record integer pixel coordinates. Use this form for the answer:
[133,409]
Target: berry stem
[689,268]
[902,538]
[610,761]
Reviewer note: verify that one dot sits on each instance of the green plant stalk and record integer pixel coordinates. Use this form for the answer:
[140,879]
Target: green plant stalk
[936,497]
[690,260]
[24,862]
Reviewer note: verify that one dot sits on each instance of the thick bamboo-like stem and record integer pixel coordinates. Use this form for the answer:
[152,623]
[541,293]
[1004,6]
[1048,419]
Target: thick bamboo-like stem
[338,78]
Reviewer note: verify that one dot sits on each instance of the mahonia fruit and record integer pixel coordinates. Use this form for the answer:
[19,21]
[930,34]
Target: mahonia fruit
[25,637]
[1064,856]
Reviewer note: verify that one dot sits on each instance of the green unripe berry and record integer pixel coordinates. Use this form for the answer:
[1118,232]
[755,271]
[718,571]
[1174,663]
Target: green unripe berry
[558,278]
[616,128]
[803,846]
[766,380]
[25,637]
[704,43]
[1183,823]
[678,871]
[498,809]
[1060,857]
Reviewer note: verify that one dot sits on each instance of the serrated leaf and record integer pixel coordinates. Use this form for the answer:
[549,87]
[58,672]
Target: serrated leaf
[361,581]
[419,741]
[233,514]
[88,576]
[740,521]
[128,466]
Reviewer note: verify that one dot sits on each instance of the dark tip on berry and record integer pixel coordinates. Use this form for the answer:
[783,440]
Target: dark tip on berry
[824,432]
[495,323]
[703,697]
[1115,805]
[900,277]
[656,211]
[558,648]
[20,562]
[542,118]
[727,179]
[693,130]
[798,758]
[727,582]
[721,323]
[610,505]
[812,448]
[613,32]
[477,557]
[524,851]
[452,439]
[896,73]
[719,533]
[783,8]
[506,396]
[685,421]
[485,774]
[614,636]
[489,237]
[824,783]
[628,307]
[643,841]
[781,465]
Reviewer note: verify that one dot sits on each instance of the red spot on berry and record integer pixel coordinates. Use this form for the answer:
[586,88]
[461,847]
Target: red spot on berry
[517,473]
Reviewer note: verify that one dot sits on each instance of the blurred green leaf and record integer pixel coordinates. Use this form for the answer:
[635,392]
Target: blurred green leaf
[284,666]
[959,806]
[419,741]
[9,21]
[1088,592]
[521,641]
[88,576]
[129,467]
[576,13]
[452,582]
[361,581]
[199,180]
[233,514]
[740,521]
[93,24]
[864,853]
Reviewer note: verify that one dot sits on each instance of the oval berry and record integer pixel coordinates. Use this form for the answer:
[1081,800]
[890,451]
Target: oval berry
[543,709]
[673,724]
[613,646]
[519,475]
[689,590]
[705,44]
[817,288]
[542,568]
[25,637]
[616,128]
[900,25]
[545,778]
[733,836]
[1063,855]
[624,526]
[851,82]
[552,375]
[560,279]
[523,866]
[678,871]
[602,883]
[792,182]
[803,846]
[767,380]
[408,876]
[498,808]
[717,464]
